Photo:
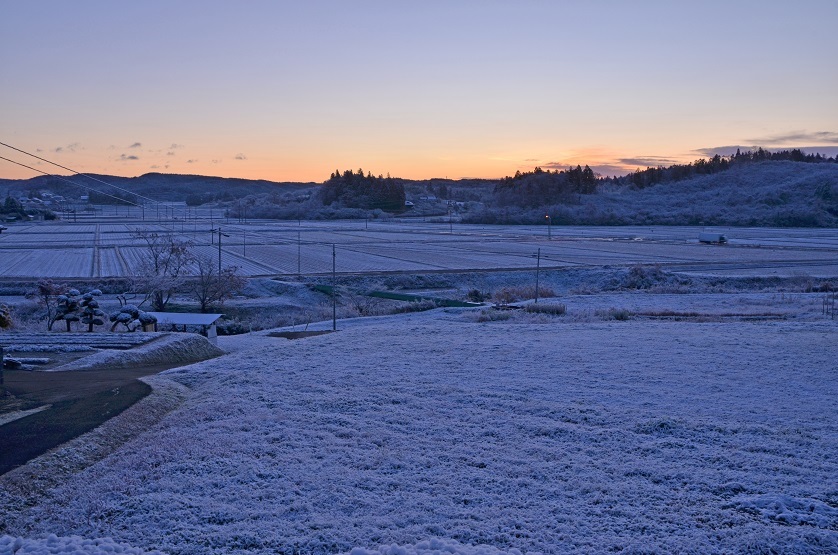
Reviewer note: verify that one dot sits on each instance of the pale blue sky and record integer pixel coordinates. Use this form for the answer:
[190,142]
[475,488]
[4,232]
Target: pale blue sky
[293,90]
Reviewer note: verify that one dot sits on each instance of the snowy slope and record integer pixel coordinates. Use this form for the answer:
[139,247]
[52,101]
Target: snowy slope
[567,436]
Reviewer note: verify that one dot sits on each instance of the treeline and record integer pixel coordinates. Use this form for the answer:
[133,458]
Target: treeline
[356,190]
[116,197]
[540,187]
[652,176]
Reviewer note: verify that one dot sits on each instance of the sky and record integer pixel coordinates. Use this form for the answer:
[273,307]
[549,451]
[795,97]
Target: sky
[291,91]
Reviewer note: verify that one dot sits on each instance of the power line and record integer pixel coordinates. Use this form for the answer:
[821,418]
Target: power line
[71,182]
[76,172]
[136,195]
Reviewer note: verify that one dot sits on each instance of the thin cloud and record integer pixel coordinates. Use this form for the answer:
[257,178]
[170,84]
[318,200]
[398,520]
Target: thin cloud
[241,156]
[798,137]
[154,167]
[556,166]
[727,150]
[216,161]
[600,169]
[72,147]
[610,170]
[175,146]
[124,157]
[136,145]
[190,161]
[646,161]
[170,153]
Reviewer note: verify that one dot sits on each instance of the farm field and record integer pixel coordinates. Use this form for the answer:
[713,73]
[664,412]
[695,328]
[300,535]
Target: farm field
[110,249]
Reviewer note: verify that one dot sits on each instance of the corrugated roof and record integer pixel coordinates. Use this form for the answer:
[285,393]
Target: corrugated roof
[186,318]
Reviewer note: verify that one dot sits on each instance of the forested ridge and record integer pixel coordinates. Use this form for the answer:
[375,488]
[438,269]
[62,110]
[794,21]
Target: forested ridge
[759,187]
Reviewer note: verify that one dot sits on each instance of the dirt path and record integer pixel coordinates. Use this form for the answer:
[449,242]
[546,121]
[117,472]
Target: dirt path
[51,387]
[77,402]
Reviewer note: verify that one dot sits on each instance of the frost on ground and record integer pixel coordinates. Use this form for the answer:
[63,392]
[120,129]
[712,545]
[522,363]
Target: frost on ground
[169,348]
[70,546]
[394,433]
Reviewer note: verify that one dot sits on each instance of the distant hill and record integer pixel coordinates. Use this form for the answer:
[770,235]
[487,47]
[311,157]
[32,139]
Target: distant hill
[765,193]
[738,191]
[158,186]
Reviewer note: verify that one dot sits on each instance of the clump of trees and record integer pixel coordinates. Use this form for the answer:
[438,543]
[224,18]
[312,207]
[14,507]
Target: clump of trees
[12,207]
[114,197]
[543,187]
[356,190]
[676,172]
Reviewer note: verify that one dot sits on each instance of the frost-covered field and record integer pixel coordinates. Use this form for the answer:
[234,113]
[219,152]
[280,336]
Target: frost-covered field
[105,250]
[434,431]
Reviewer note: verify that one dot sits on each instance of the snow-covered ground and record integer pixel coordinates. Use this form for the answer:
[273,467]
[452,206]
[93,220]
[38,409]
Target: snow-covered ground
[434,432]
[83,251]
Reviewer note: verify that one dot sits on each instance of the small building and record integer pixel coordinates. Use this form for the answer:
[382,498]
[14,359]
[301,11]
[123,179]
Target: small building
[206,322]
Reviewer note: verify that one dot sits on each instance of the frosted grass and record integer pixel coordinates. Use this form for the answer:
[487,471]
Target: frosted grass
[395,433]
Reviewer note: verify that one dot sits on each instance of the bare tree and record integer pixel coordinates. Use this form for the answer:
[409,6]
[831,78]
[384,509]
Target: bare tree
[47,294]
[164,267]
[210,286]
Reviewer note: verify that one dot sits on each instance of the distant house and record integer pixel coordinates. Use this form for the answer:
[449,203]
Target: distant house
[408,204]
[428,197]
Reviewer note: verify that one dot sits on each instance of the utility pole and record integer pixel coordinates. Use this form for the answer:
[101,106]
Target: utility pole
[537,270]
[334,292]
[219,253]
[299,253]
[549,226]
[213,231]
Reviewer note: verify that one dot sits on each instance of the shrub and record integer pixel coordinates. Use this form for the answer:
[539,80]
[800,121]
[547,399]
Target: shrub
[552,309]
[620,314]
[5,317]
[476,296]
[508,295]
[493,315]
[643,277]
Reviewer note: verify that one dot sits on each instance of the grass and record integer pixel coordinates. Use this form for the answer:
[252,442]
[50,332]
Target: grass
[551,309]
[26,438]
[327,289]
